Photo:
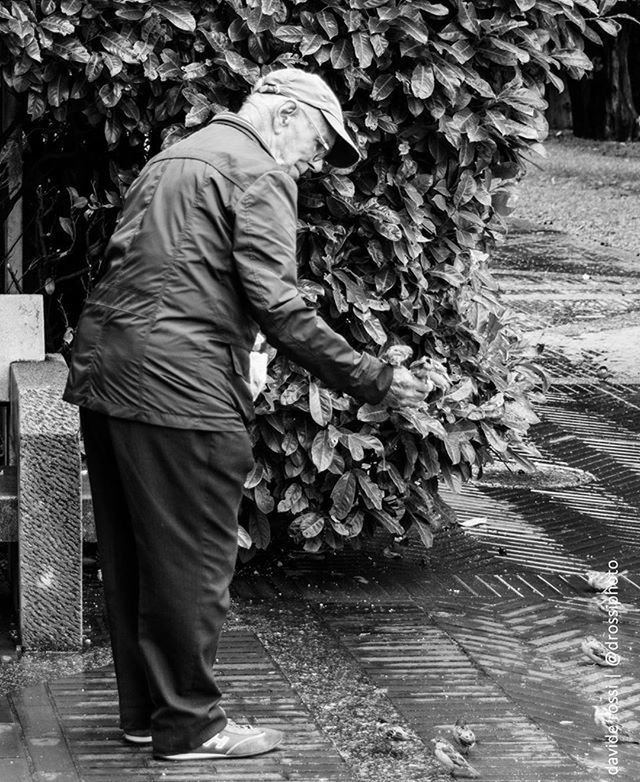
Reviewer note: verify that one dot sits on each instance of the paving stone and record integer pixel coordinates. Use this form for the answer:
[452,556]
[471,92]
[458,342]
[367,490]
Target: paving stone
[14,770]
[44,740]
[10,746]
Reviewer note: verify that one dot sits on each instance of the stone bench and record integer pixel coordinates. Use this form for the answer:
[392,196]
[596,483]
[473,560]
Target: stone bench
[9,506]
[41,505]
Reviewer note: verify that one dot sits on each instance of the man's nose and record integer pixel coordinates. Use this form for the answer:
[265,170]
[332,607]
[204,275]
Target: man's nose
[316,166]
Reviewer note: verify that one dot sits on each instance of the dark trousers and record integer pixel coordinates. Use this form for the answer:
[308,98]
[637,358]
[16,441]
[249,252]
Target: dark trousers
[166,504]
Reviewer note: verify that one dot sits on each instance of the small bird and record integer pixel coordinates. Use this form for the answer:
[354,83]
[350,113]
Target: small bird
[465,737]
[608,723]
[608,605]
[452,760]
[598,653]
[392,732]
[396,355]
[601,581]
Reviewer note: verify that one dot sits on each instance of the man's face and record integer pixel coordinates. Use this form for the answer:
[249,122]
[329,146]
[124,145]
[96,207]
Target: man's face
[304,139]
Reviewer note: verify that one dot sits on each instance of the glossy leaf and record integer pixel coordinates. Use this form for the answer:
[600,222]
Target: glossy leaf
[255,476]
[433,9]
[177,13]
[387,521]
[113,62]
[327,20]
[424,532]
[383,87]
[36,105]
[311,525]
[240,65]
[416,30]
[259,529]
[422,81]
[363,49]
[110,94]
[58,24]
[573,58]
[341,53]
[371,492]
[343,495]
[322,450]
[263,498]
[320,405]
[290,33]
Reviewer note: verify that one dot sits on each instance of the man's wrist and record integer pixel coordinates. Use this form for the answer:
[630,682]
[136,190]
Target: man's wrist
[383,381]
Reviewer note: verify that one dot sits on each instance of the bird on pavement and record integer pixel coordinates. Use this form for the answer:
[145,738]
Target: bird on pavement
[600,580]
[598,653]
[609,724]
[611,605]
[464,736]
[449,757]
[392,732]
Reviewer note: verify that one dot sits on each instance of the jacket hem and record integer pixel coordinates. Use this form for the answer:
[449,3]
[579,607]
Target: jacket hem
[157,418]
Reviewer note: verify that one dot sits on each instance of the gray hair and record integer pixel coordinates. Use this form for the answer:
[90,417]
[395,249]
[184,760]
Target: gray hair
[263,100]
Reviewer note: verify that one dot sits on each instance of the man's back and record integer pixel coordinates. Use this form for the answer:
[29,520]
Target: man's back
[170,314]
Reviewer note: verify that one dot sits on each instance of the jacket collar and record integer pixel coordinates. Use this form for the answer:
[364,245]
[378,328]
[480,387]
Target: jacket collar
[229,118]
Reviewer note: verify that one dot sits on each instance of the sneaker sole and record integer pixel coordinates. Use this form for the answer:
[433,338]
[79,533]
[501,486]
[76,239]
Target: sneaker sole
[128,739]
[217,755]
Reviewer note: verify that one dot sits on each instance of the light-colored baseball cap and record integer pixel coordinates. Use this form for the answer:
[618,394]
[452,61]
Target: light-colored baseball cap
[312,90]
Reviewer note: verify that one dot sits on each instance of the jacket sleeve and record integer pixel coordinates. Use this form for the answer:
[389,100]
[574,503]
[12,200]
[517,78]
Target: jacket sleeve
[265,257]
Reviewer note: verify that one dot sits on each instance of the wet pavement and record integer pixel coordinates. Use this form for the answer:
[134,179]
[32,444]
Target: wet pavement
[487,625]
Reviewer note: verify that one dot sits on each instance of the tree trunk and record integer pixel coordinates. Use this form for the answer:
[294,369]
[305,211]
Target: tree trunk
[602,105]
[620,112]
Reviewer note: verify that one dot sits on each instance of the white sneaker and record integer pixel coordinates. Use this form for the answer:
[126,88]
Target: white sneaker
[234,741]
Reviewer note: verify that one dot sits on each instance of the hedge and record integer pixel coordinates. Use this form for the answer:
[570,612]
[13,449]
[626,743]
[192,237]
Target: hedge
[446,102]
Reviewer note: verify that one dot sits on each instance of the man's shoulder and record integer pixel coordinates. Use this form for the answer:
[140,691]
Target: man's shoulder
[228,148]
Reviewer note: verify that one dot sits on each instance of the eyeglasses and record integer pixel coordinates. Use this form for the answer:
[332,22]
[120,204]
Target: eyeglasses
[321,142]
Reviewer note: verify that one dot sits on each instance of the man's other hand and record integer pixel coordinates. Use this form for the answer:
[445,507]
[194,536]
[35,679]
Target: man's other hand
[257,372]
[406,390]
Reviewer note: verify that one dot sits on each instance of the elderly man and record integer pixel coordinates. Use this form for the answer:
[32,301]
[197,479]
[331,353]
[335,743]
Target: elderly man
[202,256]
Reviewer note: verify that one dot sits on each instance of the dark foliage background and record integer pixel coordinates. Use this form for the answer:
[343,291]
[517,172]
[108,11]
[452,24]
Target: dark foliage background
[446,102]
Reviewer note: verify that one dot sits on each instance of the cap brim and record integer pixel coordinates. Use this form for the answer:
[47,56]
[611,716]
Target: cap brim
[344,153]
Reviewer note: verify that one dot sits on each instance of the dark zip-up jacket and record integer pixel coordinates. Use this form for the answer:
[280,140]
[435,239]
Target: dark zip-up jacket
[203,255]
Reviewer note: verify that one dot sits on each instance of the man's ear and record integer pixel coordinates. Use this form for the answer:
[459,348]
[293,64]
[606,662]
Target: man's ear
[285,112]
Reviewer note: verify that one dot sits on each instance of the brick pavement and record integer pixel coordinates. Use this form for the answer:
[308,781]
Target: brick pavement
[487,624]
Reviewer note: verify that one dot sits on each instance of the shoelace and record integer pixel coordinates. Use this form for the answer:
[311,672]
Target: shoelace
[238,726]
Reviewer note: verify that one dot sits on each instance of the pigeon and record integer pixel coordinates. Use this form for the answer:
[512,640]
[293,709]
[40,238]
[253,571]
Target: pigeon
[601,581]
[464,736]
[608,722]
[598,653]
[392,732]
[452,760]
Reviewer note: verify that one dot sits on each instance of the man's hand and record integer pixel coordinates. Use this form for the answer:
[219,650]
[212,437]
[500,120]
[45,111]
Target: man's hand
[406,390]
